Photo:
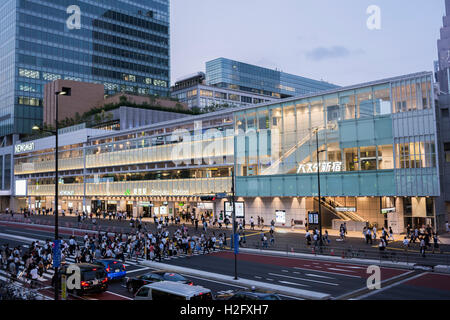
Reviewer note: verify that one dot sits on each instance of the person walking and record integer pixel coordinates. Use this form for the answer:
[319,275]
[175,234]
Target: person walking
[406,243]
[369,236]
[422,246]
[436,243]
[391,234]
[308,238]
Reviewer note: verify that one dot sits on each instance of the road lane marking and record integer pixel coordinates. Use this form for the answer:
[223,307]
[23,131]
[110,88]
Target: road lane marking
[137,270]
[293,283]
[119,295]
[228,284]
[391,285]
[336,269]
[318,276]
[303,279]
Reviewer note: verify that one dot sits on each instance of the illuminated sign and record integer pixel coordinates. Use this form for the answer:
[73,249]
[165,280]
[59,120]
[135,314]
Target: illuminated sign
[280,216]
[313,218]
[312,167]
[24,147]
[239,209]
[21,187]
[345,209]
[387,210]
[66,193]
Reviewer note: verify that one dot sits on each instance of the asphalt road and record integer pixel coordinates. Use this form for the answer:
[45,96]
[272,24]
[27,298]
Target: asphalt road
[336,279]
[19,236]
[284,240]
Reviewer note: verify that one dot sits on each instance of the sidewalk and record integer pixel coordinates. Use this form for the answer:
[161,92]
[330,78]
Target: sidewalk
[444,238]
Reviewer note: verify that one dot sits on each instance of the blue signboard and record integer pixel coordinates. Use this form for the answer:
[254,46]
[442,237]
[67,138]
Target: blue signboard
[56,253]
[236,243]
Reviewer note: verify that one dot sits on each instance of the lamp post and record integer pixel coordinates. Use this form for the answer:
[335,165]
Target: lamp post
[64,91]
[318,188]
[233,218]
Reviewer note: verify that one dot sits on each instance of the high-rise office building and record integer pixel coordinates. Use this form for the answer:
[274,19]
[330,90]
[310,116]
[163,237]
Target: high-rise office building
[230,74]
[122,44]
[443,114]
[443,44]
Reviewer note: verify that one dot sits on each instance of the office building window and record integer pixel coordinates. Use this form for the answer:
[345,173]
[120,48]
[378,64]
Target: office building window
[444,113]
[29,73]
[447,152]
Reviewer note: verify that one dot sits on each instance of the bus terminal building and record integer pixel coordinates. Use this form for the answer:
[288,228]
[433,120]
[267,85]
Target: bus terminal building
[374,146]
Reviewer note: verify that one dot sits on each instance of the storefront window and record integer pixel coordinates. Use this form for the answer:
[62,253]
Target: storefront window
[334,152]
[251,121]
[348,106]
[365,103]
[332,108]
[385,157]
[302,120]
[263,119]
[368,158]
[382,96]
[317,113]
[407,206]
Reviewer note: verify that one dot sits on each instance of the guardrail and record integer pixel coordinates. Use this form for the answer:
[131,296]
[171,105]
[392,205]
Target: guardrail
[389,255]
[394,255]
[12,288]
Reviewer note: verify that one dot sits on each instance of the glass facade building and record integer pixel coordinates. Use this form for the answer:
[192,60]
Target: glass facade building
[121,44]
[377,159]
[226,73]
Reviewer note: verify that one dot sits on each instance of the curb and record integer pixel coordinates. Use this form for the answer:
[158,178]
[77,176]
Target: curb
[442,269]
[299,293]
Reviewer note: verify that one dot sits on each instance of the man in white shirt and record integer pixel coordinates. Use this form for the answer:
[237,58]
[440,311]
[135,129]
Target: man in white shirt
[34,276]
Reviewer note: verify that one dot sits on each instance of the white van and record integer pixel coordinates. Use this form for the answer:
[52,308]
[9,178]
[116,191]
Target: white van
[169,290]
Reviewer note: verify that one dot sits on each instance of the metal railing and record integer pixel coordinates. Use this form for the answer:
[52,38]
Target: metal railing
[393,255]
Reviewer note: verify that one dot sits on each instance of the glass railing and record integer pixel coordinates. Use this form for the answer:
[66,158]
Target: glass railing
[48,166]
[187,152]
[179,187]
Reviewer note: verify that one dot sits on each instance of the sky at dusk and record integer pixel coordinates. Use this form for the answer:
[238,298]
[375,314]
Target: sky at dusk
[319,39]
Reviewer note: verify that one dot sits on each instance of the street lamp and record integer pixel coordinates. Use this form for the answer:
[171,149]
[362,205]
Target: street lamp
[64,91]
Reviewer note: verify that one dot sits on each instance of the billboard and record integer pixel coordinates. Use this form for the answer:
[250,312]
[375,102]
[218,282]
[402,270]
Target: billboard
[240,212]
[21,188]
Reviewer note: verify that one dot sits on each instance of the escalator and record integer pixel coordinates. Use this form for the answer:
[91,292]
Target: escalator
[329,213]
[301,150]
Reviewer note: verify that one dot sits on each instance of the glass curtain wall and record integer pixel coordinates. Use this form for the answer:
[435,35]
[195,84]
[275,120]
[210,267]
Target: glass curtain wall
[283,136]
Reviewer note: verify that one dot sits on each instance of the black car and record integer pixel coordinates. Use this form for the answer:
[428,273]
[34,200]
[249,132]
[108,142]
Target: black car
[135,283]
[251,295]
[93,278]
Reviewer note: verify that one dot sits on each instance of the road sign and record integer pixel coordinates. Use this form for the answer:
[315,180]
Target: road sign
[56,253]
[236,243]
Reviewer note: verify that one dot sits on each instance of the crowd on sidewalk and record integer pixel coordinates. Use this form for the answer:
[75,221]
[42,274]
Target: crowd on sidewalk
[139,243]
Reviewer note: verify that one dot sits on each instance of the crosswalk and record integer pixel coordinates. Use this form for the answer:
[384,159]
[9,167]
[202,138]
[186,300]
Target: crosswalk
[132,264]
